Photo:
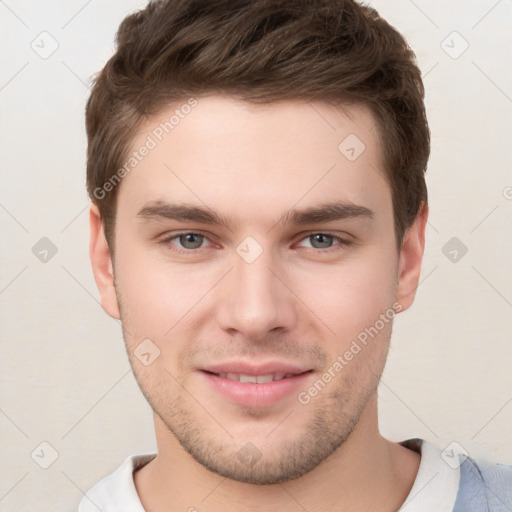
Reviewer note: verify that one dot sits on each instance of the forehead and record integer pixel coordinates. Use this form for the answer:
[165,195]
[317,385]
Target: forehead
[256,160]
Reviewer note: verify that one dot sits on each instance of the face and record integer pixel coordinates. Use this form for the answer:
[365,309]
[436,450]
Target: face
[255,251]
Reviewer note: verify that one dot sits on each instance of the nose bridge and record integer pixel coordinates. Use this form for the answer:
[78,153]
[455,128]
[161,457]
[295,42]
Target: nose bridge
[255,300]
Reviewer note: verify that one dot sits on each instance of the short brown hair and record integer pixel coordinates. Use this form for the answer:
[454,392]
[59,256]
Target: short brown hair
[260,51]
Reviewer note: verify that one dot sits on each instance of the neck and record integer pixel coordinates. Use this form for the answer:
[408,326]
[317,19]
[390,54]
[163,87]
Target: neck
[367,472]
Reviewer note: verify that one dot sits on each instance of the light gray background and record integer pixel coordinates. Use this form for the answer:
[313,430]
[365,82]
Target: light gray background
[65,377]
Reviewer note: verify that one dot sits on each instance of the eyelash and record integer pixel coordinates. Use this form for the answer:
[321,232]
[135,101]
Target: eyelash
[341,242]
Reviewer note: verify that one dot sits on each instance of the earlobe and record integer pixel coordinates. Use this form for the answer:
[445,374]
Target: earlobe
[102,266]
[411,255]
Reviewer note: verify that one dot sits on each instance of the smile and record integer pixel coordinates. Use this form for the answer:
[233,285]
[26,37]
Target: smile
[255,378]
[256,390]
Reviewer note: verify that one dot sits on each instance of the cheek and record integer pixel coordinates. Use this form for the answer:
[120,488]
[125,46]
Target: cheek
[157,297]
[353,297]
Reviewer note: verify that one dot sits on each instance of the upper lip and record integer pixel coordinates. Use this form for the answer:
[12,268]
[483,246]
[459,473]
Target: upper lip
[246,368]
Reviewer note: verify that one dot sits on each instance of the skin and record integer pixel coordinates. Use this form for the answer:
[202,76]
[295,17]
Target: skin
[300,301]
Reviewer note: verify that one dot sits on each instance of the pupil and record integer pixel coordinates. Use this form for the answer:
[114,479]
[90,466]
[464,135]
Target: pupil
[323,240]
[191,241]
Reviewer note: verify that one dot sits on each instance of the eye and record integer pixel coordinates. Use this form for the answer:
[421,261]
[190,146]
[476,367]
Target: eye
[189,242]
[185,242]
[323,241]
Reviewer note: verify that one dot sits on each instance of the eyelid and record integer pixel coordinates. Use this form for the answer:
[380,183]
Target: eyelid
[167,238]
[343,240]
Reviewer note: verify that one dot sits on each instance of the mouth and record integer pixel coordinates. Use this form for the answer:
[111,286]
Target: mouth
[255,379]
[257,388]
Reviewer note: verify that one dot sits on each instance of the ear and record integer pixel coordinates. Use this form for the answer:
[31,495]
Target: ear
[411,255]
[102,266]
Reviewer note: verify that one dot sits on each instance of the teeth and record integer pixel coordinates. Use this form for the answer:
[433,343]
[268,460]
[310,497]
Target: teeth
[248,378]
[263,378]
[255,378]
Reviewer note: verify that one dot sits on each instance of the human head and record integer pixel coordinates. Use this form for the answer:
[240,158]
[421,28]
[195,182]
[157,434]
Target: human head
[245,155]
[262,51]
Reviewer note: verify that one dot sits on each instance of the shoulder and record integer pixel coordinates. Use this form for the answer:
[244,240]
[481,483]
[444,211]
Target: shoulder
[458,482]
[484,485]
[117,489]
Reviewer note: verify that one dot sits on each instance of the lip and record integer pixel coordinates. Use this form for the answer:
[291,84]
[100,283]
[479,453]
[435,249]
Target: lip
[256,395]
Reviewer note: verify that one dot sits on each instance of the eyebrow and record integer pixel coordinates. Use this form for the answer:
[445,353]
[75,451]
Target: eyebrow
[326,212]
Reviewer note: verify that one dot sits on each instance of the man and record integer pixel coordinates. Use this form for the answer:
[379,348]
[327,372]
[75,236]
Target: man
[256,171]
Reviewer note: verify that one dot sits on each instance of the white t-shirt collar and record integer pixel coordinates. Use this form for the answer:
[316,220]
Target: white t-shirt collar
[435,487]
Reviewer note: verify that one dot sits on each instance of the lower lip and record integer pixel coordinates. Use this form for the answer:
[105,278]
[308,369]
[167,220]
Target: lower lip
[251,394]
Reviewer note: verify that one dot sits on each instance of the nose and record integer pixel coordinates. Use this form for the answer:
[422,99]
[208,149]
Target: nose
[255,299]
